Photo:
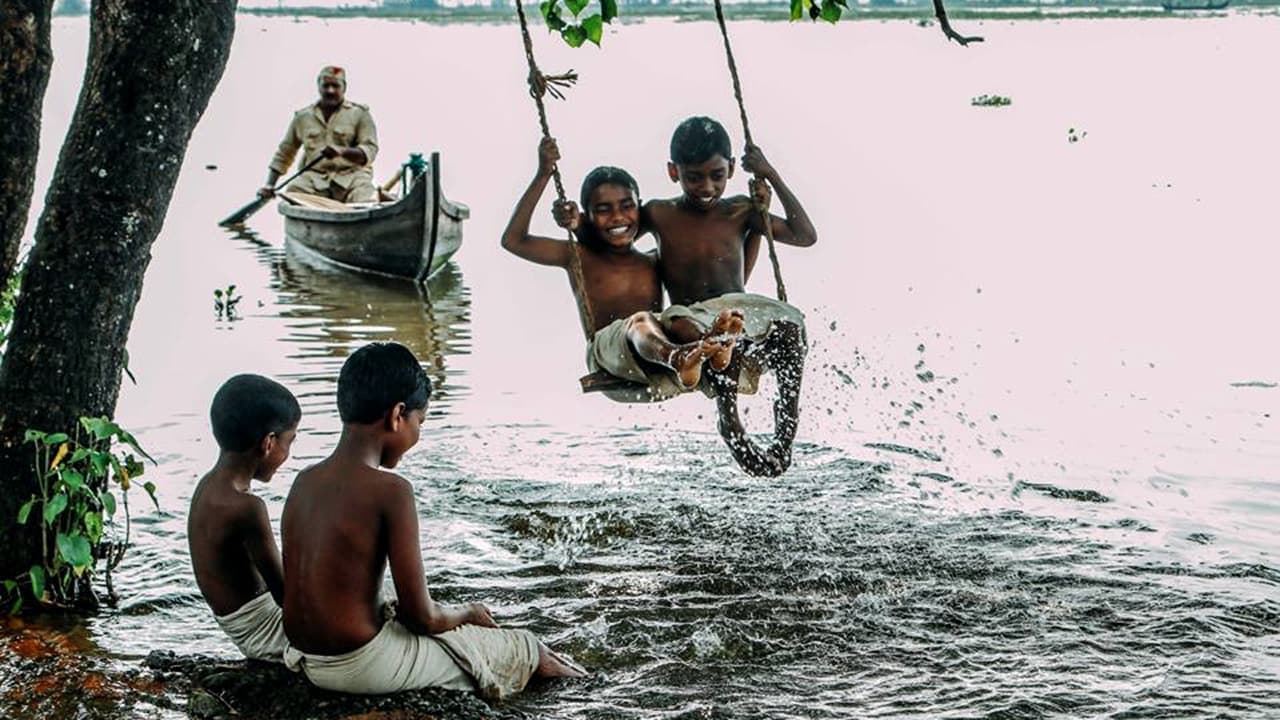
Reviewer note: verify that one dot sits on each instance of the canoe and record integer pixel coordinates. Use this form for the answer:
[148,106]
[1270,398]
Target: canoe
[412,237]
[1176,5]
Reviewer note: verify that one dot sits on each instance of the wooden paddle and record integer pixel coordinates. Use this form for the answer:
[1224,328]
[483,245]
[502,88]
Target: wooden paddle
[238,217]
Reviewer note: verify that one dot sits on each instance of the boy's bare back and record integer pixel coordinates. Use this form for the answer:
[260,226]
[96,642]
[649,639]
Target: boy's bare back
[336,530]
[229,537]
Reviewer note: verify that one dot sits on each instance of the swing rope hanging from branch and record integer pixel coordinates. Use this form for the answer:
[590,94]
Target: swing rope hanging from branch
[746,135]
[539,85]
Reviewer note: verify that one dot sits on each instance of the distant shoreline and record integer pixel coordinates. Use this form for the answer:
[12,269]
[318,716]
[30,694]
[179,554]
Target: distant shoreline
[762,11]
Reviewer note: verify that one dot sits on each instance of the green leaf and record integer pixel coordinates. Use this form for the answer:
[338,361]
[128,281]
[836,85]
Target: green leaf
[594,28]
[37,581]
[25,510]
[555,23]
[75,550]
[830,11]
[109,503]
[56,438]
[100,427]
[33,436]
[72,479]
[575,6]
[17,606]
[98,462]
[10,586]
[55,506]
[93,526]
[608,10]
[150,487]
[797,9]
[132,442]
[574,35]
[78,455]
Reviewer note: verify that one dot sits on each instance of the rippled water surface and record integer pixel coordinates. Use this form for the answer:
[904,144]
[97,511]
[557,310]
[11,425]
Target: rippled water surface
[1037,471]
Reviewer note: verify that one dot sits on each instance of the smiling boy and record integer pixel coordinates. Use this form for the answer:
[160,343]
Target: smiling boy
[707,247]
[630,337]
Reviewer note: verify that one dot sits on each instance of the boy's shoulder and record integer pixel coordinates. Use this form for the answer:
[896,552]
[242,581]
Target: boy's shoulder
[367,479]
[215,500]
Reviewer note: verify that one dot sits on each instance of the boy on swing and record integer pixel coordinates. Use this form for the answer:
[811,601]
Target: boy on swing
[707,247]
[631,338]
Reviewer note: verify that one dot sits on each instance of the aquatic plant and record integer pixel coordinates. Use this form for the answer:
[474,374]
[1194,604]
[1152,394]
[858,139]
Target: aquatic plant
[225,302]
[1074,136]
[991,101]
[77,508]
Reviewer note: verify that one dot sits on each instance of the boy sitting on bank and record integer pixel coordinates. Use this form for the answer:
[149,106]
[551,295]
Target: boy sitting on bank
[345,520]
[233,550]
[631,338]
[707,247]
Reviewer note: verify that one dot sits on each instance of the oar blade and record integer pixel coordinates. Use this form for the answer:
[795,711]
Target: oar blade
[238,217]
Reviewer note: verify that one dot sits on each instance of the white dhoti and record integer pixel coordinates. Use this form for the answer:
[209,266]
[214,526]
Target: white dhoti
[494,662]
[611,351]
[257,629]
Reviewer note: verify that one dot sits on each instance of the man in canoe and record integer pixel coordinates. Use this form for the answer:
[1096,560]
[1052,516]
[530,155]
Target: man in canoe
[339,131]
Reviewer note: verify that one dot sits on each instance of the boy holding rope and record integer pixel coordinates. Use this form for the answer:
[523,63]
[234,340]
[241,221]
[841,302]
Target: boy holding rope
[707,248]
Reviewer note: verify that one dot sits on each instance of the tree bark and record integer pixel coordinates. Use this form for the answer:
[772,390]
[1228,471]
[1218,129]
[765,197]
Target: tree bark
[151,69]
[26,55]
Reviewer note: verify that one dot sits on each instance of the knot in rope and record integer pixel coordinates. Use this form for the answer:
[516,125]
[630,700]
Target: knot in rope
[542,84]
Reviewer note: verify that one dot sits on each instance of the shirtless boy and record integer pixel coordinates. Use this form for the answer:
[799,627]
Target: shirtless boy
[345,520]
[631,338]
[233,550]
[707,247]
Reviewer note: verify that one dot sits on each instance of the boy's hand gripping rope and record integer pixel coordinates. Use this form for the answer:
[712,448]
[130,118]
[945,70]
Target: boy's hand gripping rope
[540,85]
[746,134]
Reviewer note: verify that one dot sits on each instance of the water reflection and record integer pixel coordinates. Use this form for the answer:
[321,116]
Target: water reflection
[328,312]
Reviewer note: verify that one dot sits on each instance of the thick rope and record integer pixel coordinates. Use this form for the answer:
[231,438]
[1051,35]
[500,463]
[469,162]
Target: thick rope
[539,85]
[746,134]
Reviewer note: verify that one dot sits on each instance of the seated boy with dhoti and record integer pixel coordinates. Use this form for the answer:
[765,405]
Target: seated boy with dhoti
[345,520]
[233,550]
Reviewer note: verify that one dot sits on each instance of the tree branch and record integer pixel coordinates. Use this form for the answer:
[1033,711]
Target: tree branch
[947,30]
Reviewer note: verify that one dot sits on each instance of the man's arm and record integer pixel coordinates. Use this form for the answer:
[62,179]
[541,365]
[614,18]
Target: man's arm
[260,542]
[285,153]
[516,238]
[796,228]
[283,158]
[366,140]
[417,611]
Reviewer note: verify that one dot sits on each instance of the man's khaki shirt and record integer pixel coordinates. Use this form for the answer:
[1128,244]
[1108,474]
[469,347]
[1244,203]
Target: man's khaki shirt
[349,126]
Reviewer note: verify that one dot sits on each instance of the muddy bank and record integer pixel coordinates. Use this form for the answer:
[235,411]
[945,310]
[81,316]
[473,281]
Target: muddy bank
[52,669]
[209,689]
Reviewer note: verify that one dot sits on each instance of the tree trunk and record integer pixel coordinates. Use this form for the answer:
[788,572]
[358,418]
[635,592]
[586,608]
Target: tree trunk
[152,67]
[25,58]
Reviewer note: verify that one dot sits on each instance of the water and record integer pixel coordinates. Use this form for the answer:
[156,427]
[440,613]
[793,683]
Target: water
[1037,466]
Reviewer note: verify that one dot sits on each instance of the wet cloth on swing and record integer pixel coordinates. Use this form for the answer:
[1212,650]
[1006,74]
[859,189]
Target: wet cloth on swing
[256,629]
[610,350]
[495,662]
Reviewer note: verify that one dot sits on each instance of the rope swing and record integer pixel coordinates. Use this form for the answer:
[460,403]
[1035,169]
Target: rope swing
[746,134]
[539,85]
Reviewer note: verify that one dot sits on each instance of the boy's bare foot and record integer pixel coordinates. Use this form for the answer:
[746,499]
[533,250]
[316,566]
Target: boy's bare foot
[724,334]
[552,664]
[687,361]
